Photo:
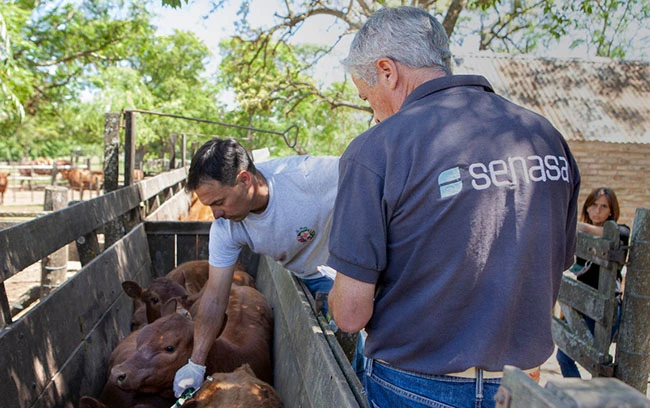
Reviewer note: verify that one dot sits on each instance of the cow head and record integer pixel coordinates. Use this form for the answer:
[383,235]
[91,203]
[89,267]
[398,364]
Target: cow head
[159,350]
[156,295]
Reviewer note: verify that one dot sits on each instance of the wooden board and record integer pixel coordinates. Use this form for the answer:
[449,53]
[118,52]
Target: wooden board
[306,372]
[59,350]
[26,243]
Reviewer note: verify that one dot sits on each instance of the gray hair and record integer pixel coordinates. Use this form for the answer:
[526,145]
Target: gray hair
[408,35]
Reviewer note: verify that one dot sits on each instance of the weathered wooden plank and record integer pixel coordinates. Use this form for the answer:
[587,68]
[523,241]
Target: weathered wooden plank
[583,298]
[594,248]
[301,352]
[26,243]
[152,187]
[162,250]
[56,355]
[597,393]
[633,347]
[178,227]
[174,242]
[171,209]
[580,349]
[518,390]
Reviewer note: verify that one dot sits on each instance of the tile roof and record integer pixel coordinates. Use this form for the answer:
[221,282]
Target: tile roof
[587,100]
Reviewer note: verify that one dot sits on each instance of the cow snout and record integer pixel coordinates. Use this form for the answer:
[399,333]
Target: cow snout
[118,376]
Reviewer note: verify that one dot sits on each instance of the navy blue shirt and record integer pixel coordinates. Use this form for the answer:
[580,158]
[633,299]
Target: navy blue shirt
[461,208]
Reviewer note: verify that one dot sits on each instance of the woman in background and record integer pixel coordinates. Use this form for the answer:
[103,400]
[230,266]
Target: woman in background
[601,205]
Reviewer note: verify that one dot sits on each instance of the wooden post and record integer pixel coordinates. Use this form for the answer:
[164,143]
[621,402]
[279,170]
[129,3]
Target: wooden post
[113,230]
[129,147]
[54,267]
[633,346]
[55,170]
[172,150]
[183,149]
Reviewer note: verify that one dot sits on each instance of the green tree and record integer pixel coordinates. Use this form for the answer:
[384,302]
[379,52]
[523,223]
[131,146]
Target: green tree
[271,74]
[54,50]
[274,91]
[70,63]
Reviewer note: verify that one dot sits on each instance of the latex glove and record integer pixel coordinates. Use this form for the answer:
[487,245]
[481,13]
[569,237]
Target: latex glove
[191,375]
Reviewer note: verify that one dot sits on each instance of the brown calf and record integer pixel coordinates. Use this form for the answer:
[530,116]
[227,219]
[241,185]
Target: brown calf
[184,283]
[192,275]
[235,390]
[197,211]
[148,303]
[162,347]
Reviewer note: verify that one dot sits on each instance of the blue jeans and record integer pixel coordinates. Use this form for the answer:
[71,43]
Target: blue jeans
[322,284]
[388,387]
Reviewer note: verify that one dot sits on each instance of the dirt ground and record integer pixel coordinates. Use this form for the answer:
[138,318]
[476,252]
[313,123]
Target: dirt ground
[24,202]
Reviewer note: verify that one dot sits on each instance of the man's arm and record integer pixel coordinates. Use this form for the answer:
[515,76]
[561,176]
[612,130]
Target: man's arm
[210,316]
[351,302]
[590,229]
[207,324]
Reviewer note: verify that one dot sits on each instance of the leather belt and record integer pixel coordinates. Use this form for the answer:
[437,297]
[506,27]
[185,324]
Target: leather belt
[471,373]
[533,373]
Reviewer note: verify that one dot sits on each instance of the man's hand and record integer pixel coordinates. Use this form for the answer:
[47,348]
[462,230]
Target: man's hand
[191,375]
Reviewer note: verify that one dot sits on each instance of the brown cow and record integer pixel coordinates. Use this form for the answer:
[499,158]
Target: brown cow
[4,182]
[192,275]
[183,283]
[84,179]
[148,303]
[114,397]
[164,346]
[42,166]
[235,390]
[197,211]
[138,175]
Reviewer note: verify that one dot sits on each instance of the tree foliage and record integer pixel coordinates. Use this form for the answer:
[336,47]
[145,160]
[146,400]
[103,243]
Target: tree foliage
[73,62]
[271,74]
[63,65]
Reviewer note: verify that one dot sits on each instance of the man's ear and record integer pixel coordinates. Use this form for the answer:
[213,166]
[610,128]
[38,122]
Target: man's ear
[387,71]
[244,177]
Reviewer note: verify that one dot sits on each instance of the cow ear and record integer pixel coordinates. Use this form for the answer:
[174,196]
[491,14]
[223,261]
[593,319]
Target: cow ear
[190,404]
[169,307]
[132,289]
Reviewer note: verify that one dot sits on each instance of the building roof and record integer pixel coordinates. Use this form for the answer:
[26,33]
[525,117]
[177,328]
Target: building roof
[587,100]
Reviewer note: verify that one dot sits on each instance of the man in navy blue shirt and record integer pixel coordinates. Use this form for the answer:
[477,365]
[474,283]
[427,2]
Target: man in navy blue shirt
[454,219]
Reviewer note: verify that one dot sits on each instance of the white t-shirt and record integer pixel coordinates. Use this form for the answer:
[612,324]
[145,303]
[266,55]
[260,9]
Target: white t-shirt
[294,229]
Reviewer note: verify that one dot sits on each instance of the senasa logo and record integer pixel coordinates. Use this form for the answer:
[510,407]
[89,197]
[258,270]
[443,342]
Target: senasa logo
[450,182]
[501,173]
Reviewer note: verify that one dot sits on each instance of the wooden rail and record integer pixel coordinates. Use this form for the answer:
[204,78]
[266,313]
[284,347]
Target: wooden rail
[114,214]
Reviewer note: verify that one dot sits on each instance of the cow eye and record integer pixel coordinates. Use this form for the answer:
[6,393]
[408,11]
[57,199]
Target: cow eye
[155,300]
[170,348]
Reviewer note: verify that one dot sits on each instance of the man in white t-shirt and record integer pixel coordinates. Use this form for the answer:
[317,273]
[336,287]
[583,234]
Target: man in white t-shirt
[281,208]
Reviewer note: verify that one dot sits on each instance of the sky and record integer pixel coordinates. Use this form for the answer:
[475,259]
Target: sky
[212,27]
[220,25]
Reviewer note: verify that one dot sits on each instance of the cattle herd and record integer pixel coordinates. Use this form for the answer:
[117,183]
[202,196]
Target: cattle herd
[79,178]
[142,365]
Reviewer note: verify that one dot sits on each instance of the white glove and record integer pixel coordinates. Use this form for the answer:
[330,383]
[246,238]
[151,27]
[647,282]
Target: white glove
[191,375]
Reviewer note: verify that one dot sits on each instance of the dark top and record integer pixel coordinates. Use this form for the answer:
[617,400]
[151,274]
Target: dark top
[592,275]
[461,208]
